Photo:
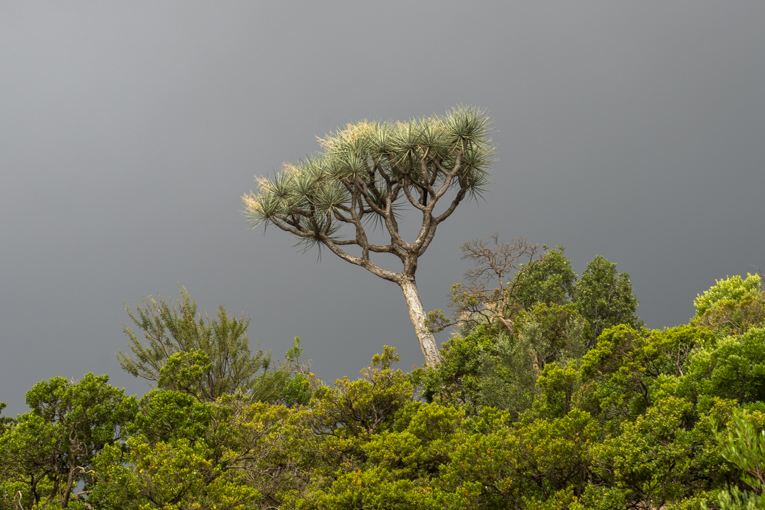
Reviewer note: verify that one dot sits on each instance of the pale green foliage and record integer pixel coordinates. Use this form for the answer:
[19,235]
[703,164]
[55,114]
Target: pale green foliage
[506,374]
[668,419]
[732,288]
[170,476]
[649,456]
[554,332]
[736,499]
[629,367]
[744,446]
[206,358]
[395,468]
[495,466]
[368,168]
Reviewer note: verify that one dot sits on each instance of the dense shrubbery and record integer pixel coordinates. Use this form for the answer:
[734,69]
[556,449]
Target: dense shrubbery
[529,409]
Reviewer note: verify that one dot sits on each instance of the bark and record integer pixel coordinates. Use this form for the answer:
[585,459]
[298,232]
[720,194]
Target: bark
[417,314]
[73,448]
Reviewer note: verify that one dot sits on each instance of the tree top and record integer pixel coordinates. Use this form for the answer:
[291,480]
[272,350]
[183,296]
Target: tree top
[365,168]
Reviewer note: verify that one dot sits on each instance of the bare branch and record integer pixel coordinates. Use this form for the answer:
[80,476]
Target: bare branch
[484,294]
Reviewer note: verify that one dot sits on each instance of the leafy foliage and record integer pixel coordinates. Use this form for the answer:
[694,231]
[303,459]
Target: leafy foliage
[534,418]
[604,297]
[734,368]
[47,452]
[545,278]
[189,454]
[743,445]
[731,306]
[202,357]
[732,288]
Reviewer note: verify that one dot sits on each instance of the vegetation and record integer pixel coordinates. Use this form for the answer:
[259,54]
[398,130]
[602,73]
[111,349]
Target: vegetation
[367,174]
[528,410]
[201,357]
[551,394]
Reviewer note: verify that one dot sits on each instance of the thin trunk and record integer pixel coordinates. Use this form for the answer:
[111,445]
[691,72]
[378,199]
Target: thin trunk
[418,316]
[73,447]
[535,370]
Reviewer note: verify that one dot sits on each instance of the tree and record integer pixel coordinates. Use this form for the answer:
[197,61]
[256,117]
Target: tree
[744,446]
[731,306]
[202,357]
[50,450]
[513,309]
[364,176]
[731,289]
[537,278]
[734,368]
[550,280]
[364,406]
[476,301]
[184,454]
[604,297]
[655,457]
[4,420]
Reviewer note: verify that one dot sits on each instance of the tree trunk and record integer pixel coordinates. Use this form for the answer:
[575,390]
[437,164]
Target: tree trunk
[418,316]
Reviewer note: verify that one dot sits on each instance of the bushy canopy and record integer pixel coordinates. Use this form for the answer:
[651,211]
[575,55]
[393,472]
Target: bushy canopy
[671,419]
[368,170]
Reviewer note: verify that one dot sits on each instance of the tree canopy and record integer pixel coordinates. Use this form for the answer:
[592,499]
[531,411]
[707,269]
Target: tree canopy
[207,358]
[537,418]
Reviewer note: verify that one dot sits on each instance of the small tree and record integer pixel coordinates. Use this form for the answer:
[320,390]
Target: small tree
[475,301]
[204,357]
[364,175]
[48,454]
[524,278]
[604,297]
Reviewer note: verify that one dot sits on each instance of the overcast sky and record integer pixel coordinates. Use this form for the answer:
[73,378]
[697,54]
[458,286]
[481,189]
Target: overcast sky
[130,130]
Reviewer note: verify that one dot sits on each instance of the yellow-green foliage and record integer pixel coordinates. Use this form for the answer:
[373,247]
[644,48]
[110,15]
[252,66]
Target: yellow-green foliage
[669,419]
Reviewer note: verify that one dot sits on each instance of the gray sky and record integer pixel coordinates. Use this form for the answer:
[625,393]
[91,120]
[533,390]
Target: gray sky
[130,130]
